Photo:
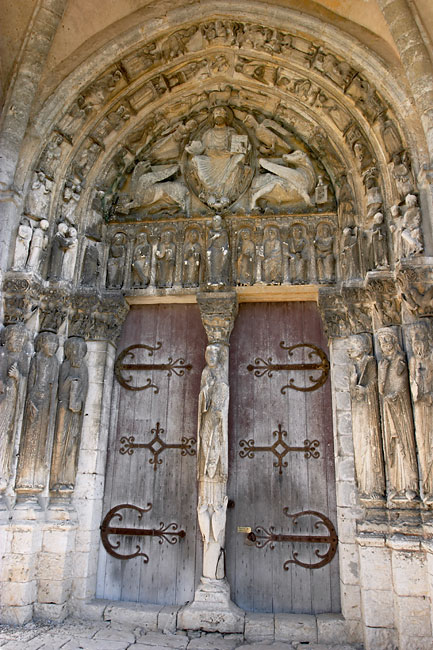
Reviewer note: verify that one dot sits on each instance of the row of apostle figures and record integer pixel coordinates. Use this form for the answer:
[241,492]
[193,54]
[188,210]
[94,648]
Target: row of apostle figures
[392,414]
[37,395]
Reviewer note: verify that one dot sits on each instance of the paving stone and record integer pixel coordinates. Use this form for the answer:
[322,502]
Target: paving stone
[208,643]
[115,634]
[155,639]
[95,644]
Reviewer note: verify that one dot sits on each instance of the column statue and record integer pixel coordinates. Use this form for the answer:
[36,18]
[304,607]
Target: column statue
[367,439]
[398,431]
[72,392]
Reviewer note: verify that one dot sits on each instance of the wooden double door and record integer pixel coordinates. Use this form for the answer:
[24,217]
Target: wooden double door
[151,460]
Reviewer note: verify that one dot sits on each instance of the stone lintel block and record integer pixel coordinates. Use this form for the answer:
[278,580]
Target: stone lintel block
[296,627]
[90,610]
[380,638]
[378,607]
[134,614]
[331,628]
[10,615]
[167,619]
[371,541]
[259,627]
[400,543]
[51,611]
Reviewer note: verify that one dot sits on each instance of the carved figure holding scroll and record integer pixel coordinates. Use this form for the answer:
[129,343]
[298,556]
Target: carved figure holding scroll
[72,392]
[398,431]
[38,245]
[166,260]
[13,370]
[421,383]
[212,466]
[141,261]
[22,244]
[192,259]
[41,391]
[325,258]
[246,257]
[367,438]
[272,257]
[218,254]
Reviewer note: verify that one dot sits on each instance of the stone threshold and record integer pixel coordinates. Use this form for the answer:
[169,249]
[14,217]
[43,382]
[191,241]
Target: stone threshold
[301,628]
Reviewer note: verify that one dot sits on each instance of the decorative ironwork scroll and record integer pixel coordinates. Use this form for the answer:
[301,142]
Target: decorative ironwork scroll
[157,446]
[262,367]
[280,448]
[177,367]
[166,533]
[262,537]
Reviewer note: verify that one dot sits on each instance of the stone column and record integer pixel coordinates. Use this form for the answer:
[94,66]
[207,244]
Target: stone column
[212,610]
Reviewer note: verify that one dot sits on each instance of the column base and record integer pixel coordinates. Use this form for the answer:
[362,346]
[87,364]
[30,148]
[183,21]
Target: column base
[212,610]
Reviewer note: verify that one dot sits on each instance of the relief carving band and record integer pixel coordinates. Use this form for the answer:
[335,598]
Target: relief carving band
[218,161]
[13,369]
[213,460]
[367,438]
[421,382]
[72,392]
[398,432]
[41,389]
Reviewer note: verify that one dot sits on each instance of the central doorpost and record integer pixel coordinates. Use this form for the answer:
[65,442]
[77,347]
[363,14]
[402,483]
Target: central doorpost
[212,608]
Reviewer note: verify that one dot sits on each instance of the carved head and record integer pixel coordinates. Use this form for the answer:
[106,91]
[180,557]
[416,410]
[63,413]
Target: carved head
[47,342]
[193,236]
[72,232]
[378,218]
[44,224]
[220,116]
[411,201]
[388,342]
[245,234]
[62,228]
[323,230]
[420,337]
[212,355]
[75,350]
[15,337]
[167,236]
[359,345]
[217,222]
[141,238]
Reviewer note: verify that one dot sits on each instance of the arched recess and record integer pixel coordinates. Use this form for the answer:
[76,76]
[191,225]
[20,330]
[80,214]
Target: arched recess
[286,90]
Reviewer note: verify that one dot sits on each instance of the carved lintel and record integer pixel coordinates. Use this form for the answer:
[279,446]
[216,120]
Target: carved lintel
[218,312]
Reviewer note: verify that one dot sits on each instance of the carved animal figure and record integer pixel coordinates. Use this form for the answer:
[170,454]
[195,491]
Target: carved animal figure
[151,185]
[293,182]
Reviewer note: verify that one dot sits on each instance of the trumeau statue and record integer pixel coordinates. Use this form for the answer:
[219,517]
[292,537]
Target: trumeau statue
[218,255]
[41,390]
[366,418]
[398,431]
[272,263]
[218,169]
[72,392]
[192,259]
[141,261]
[246,257]
[421,383]
[165,260]
[212,464]
[13,371]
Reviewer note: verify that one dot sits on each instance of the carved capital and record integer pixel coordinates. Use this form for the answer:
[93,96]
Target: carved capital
[218,312]
[385,302]
[21,299]
[415,285]
[97,318]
